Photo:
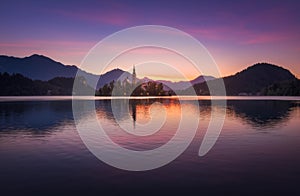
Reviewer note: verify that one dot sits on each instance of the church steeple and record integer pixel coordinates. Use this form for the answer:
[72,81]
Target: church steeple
[133,76]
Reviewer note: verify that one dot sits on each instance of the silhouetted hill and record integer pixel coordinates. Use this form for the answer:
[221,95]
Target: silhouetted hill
[39,67]
[36,67]
[250,81]
[201,79]
[257,79]
[113,75]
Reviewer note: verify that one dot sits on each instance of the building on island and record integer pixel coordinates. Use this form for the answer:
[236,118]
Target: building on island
[133,76]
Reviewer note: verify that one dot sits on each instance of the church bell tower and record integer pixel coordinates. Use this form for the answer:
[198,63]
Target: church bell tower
[133,76]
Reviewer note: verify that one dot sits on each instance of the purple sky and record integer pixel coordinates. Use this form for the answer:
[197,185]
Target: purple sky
[237,33]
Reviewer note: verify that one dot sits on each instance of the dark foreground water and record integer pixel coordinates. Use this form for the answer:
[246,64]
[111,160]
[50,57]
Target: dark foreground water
[257,153]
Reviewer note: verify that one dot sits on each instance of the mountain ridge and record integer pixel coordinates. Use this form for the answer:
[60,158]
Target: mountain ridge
[40,67]
[30,66]
[254,80]
[250,81]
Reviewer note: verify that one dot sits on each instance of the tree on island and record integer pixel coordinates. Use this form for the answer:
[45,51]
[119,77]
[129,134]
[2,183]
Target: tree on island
[126,88]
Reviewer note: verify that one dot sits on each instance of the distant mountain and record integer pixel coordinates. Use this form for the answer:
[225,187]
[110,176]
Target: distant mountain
[184,84]
[36,67]
[181,85]
[39,67]
[250,81]
[113,75]
[261,78]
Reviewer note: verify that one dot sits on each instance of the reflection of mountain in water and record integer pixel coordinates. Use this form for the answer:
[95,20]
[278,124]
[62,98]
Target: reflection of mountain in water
[258,113]
[36,116]
[45,116]
[262,113]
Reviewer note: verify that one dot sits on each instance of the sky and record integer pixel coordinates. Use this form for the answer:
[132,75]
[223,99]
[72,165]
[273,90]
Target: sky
[236,33]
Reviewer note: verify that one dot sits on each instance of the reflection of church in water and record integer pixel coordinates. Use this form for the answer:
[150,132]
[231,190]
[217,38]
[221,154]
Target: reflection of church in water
[133,104]
[133,111]
[131,84]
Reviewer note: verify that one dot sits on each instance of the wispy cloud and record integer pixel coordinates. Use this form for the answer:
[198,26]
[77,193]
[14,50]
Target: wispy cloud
[264,38]
[240,35]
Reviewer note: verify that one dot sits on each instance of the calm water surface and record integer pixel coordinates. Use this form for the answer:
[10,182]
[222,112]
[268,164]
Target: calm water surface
[257,153]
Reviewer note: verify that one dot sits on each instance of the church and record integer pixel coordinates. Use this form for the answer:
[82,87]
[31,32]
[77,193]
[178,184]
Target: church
[133,80]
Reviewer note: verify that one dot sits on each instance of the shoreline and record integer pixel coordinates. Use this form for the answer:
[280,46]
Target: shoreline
[91,98]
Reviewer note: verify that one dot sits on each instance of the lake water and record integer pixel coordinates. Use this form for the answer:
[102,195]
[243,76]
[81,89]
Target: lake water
[257,152]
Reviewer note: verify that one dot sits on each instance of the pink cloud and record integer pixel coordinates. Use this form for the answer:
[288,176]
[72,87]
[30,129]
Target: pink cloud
[150,51]
[264,38]
[238,35]
[213,33]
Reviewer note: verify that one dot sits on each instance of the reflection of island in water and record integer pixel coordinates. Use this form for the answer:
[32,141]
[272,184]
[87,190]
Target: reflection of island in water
[123,109]
[46,116]
[258,113]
